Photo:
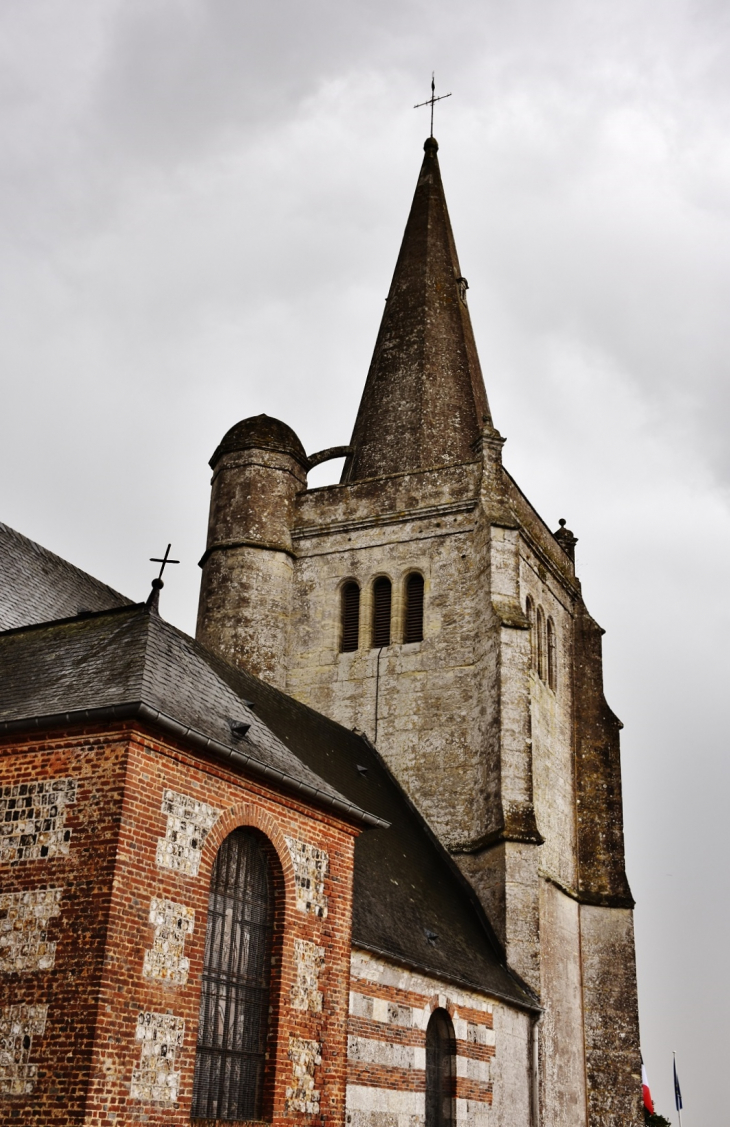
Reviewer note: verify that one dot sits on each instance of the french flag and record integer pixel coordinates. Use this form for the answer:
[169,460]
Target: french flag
[648,1102]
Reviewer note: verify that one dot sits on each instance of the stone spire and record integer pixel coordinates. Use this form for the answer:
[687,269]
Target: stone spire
[424,402]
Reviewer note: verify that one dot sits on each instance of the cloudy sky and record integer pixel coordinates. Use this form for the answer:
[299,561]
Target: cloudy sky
[201,205]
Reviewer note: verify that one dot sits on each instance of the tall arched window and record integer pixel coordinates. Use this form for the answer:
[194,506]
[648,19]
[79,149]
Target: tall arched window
[234,1000]
[413,625]
[382,593]
[552,656]
[540,642]
[350,624]
[530,612]
[440,1070]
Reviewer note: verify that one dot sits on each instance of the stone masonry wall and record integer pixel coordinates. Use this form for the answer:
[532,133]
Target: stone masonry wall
[482,743]
[119,953]
[390,1008]
[420,700]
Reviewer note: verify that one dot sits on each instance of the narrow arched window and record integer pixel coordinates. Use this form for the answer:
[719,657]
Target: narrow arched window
[413,626]
[440,1070]
[540,642]
[552,656]
[350,626]
[530,612]
[382,597]
[234,1001]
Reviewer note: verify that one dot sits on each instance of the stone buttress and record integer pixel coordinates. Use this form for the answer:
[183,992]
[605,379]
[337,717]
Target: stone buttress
[495,722]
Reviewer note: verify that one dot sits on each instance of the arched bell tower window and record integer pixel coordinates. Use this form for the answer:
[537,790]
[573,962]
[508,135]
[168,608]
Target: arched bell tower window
[530,612]
[230,1057]
[540,642]
[440,1070]
[350,614]
[382,598]
[413,626]
[552,656]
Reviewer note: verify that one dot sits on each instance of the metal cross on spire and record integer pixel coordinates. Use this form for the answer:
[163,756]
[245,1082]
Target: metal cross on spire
[153,599]
[164,560]
[433,99]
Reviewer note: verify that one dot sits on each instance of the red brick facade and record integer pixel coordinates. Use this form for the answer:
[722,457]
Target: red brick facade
[80,1021]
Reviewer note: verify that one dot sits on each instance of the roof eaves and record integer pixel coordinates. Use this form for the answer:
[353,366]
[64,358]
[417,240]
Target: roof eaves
[527,1003]
[138,710]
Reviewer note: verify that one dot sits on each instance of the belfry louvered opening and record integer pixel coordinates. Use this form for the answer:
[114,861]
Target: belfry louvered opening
[440,1070]
[350,627]
[234,1000]
[552,656]
[413,625]
[382,599]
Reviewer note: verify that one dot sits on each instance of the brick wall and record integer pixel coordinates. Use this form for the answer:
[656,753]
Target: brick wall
[102,938]
[390,1008]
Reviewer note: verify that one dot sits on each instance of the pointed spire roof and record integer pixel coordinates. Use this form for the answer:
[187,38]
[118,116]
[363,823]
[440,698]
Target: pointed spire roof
[424,402]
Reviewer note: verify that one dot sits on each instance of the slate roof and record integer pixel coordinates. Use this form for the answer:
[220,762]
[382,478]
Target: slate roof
[44,586]
[129,662]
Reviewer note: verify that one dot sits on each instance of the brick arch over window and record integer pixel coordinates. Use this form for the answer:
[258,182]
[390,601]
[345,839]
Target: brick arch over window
[237,1020]
[413,618]
[440,1070]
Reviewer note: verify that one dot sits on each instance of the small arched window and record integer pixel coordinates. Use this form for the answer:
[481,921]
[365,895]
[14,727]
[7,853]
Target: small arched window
[552,656]
[440,1070]
[234,1001]
[530,612]
[413,626]
[350,615]
[540,642]
[382,598]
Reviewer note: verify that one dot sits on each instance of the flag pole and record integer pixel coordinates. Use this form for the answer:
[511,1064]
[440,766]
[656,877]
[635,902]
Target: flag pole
[677,1098]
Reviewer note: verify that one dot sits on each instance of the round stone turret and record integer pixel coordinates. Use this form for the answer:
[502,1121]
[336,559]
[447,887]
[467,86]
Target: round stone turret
[246,588]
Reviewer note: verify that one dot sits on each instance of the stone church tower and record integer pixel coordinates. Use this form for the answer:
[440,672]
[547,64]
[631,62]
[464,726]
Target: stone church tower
[424,601]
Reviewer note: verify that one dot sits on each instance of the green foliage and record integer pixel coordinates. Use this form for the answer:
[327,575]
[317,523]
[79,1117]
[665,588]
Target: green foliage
[655,1120]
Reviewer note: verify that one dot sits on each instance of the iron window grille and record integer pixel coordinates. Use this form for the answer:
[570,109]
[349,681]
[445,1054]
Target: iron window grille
[234,1001]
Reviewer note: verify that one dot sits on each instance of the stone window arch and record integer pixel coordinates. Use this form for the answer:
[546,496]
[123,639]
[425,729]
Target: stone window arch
[349,616]
[230,1080]
[413,616]
[552,656]
[540,643]
[530,612]
[440,1070]
[382,604]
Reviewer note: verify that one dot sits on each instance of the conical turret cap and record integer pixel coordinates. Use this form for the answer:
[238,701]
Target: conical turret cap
[424,402]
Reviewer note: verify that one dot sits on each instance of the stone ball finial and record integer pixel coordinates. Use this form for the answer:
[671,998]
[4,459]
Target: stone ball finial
[566,539]
[430,145]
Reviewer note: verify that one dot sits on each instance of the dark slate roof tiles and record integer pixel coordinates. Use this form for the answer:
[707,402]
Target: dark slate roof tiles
[44,586]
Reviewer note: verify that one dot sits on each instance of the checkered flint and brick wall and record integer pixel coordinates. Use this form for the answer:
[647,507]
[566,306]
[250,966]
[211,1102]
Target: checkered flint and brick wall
[106,851]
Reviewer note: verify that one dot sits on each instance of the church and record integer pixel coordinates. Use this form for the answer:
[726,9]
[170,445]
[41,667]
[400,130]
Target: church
[353,856]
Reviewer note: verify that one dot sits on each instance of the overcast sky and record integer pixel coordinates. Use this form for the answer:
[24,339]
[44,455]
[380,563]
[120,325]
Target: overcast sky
[201,206]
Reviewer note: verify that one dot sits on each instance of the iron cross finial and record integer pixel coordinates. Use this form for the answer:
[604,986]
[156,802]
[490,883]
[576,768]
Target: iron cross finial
[433,99]
[164,560]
